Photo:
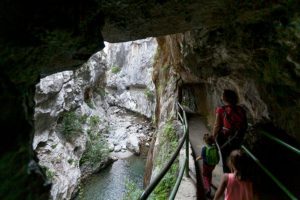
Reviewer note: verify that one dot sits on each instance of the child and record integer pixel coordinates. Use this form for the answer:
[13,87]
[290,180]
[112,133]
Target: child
[210,157]
[236,184]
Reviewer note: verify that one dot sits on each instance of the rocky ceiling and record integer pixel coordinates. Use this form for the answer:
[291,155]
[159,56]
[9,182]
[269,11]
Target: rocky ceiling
[42,37]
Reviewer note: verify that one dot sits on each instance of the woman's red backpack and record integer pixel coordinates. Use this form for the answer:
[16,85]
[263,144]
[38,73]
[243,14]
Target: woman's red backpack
[234,119]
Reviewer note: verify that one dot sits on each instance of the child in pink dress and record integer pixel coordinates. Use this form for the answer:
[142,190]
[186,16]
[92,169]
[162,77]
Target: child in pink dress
[236,184]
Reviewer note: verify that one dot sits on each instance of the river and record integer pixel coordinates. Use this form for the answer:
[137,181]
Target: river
[109,184]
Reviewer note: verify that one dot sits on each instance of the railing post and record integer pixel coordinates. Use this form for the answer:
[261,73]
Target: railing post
[185,167]
[187,174]
[187,142]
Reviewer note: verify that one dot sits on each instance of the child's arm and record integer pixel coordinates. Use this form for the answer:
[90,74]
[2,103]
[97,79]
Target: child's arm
[221,188]
[199,158]
[202,153]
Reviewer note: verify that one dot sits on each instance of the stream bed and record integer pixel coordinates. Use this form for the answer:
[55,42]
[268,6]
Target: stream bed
[110,183]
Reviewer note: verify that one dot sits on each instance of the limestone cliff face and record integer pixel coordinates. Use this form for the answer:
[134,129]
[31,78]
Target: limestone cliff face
[60,148]
[70,102]
[129,76]
[166,82]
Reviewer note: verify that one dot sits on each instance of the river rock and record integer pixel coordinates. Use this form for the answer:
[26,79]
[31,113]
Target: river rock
[133,144]
[118,148]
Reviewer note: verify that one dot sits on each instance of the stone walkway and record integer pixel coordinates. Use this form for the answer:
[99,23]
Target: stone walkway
[197,130]
[188,189]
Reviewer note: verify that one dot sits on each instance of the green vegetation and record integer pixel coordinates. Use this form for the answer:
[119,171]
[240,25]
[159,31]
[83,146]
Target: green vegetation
[133,192]
[50,174]
[81,192]
[71,124]
[169,142]
[94,121]
[71,161]
[96,147]
[90,103]
[100,91]
[96,151]
[115,69]
[170,136]
[160,89]
[163,189]
[149,94]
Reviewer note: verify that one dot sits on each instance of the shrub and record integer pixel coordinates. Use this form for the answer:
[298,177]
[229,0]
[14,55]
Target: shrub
[71,161]
[133,192]
[163,189]
[71,124]
[168,145]
[94,121]
[90,103]
[149,94]
[101,91]
[96,146]
[50,174]
[115,69]
[96,149]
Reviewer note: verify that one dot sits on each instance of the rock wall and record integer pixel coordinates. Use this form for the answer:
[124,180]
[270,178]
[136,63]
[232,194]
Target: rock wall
[129,78]
[43,38]
[58,153]
[166,82]
[85,95]
[207,61]
[258,71]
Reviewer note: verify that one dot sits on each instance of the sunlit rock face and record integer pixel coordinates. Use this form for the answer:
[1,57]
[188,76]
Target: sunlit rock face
[129,78]
[88,93]
[56,95]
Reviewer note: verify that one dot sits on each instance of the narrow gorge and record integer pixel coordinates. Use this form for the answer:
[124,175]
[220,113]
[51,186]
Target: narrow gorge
[74,98]
[83,115]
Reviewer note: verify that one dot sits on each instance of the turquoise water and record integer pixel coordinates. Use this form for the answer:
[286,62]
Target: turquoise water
[109,184]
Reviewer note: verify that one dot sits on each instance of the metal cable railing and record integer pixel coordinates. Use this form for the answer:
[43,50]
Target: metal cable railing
[279,141]
[166,168]
[294,149]
[278,183]
[185,166]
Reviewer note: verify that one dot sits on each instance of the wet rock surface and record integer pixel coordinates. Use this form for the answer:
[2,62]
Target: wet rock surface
[128,130]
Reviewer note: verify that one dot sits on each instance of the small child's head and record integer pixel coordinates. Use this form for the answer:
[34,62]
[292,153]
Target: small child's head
[208,139]
[237,162]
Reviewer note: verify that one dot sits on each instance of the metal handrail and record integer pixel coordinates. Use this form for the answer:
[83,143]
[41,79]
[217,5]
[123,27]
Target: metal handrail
[294,149]
[167,167]
[279,184]
[187,140]
[178,181]
[279,141]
